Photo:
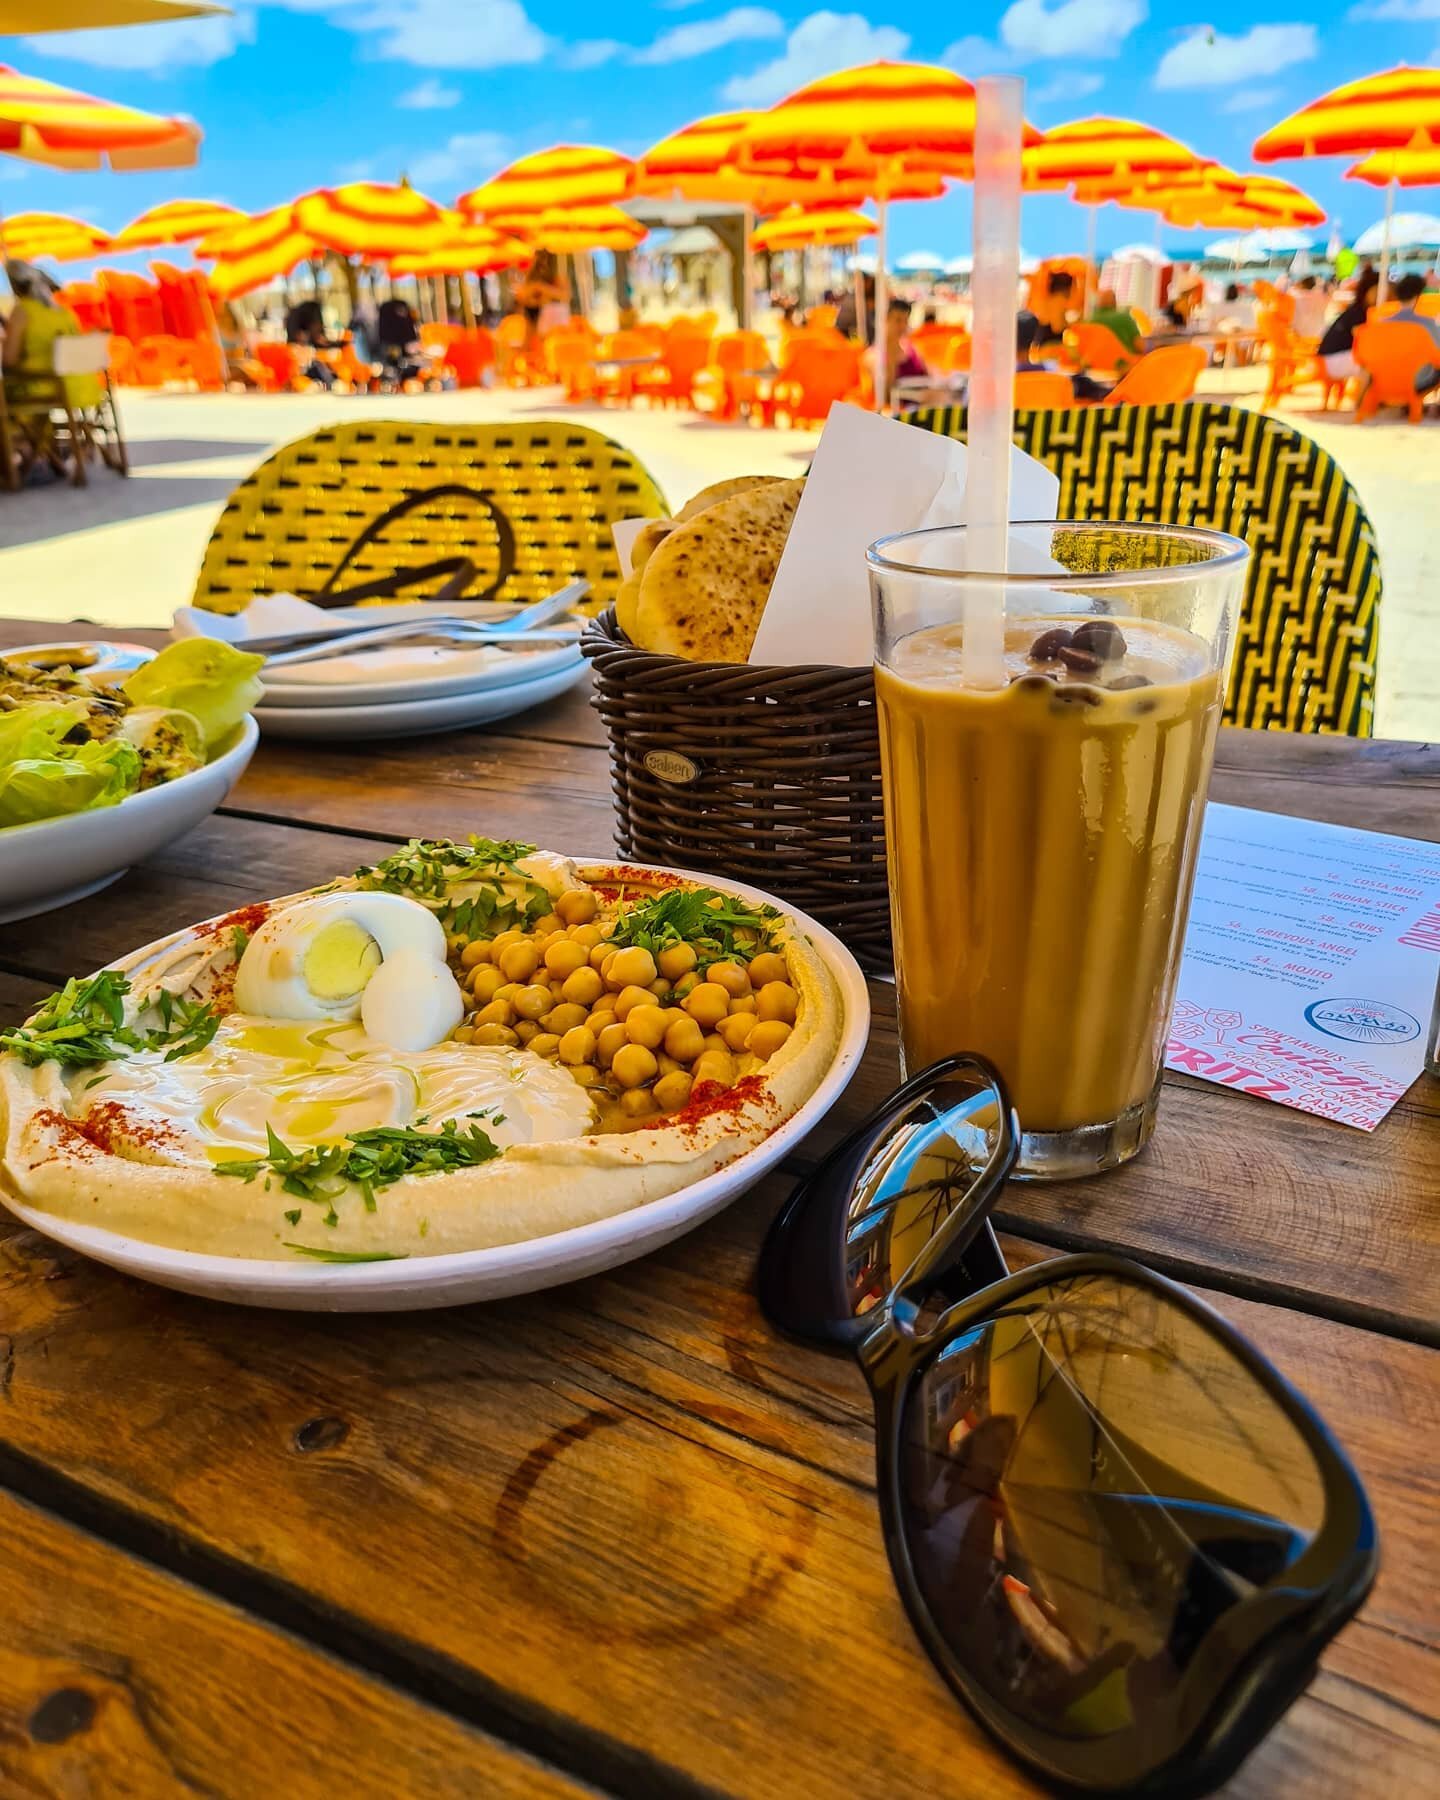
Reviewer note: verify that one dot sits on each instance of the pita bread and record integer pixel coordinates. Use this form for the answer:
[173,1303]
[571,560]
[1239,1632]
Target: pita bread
[722,490]
[645,541]
[703,591]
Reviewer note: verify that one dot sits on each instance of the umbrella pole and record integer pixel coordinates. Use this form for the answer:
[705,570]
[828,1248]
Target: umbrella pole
[882,308]
[1091,274]
[467,304]
[1384,287]
[859,298]
[747,290]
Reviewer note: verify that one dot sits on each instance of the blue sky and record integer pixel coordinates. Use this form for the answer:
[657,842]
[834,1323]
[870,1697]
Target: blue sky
[295,93]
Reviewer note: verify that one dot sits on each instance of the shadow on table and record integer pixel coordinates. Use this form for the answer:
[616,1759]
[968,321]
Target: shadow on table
[150,453]
[36,514]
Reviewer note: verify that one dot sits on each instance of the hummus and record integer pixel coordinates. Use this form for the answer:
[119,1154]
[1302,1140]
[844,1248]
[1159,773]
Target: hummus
[172,1149]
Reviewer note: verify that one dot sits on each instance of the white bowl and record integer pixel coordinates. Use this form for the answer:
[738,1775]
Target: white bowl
[55,861]
[463,1276]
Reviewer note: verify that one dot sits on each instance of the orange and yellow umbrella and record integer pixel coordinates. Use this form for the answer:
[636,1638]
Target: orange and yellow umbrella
[27,18]
[567,175]
[372,219]
[467,249]
[256,251]
[175,222]
[53,236]
[801,230]
[1419,167]
[1243,203]
[1103,150]
[1398,110]
[572,230]
[61,127]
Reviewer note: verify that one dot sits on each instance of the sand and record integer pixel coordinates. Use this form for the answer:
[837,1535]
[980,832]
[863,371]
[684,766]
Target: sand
[126,552]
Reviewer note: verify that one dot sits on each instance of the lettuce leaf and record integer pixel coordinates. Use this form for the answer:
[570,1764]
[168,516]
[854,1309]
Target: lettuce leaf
[213,681]
[71,778]
[35,729]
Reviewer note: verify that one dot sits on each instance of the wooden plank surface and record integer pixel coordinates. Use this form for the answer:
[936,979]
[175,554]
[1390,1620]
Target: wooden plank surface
[628,1511]
[117,1679]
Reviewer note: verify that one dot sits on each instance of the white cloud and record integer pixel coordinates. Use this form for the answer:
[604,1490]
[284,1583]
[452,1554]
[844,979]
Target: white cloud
[463,161]
[1254,99]
[590,53]
[1205,57]
[971,56]
[677,5]
[429,95]
[151,49]
[1084,28]
[1066,87]
[1412,10]
[438,34]
[818,45]
[740,25]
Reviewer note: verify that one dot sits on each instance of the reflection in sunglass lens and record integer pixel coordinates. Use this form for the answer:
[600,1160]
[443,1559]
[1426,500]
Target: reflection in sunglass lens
[1091,1480]
[851,1231]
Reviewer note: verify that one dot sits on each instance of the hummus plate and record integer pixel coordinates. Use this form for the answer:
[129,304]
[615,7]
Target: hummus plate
[693,1176]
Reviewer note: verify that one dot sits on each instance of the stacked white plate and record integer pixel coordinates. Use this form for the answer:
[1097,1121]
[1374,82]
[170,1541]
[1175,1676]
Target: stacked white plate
[408,690]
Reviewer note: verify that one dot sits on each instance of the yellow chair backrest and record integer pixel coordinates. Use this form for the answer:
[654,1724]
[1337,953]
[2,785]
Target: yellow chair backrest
[558,488]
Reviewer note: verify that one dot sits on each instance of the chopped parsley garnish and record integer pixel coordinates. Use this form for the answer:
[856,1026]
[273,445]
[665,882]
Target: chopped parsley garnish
[293,1216]
[427,868]
[185,1026]
[720,927]
[344,1256]
[85,1023]
[239,941]
[366,1160]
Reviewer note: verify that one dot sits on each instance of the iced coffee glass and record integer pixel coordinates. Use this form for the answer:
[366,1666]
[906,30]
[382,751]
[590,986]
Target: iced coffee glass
[1043,807]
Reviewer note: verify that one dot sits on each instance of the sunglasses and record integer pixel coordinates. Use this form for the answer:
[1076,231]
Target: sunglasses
[1123,1538]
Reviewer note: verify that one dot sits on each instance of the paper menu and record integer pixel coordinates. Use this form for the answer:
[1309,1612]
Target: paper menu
[1310,963]
[870,476]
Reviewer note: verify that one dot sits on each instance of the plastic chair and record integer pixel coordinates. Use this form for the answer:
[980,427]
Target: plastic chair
[62,418]
[122,361]
[134,305]
[88,301]
[823,317]
[933,341]
[1043,388]
[730,380]
[571,362]
[1393,352]
[283,366]
[469,355]
[1161,376]
[813,377]
[637,343]
[556,490]
[1092,349]
[955,359]
[512,361]
[685,354]
[1309,624]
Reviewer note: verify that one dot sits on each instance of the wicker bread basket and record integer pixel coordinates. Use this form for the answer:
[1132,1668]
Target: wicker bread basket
[771,775]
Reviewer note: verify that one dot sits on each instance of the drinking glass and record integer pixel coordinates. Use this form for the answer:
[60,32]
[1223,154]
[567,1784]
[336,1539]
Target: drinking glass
[1042,831]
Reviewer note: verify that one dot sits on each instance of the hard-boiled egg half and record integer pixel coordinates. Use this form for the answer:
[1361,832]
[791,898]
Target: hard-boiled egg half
[379,958]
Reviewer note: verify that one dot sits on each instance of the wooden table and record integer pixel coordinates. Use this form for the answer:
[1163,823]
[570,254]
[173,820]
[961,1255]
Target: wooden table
[618,1539]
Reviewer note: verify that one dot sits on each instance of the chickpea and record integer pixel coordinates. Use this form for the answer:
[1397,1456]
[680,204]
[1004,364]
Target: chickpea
[525,1030]
[745,1004]
[583,986]
[767,1037]
[462,1034]
[647,1025]
[544,1043]
[667,1064]
[454,943]
[601,1019]
[484,983]
[736,1030]
[548,923]
[768,966]
[633,1064]
[672,1091]
[561,1019]
[631,968]
[563,957]
[636,1103]
[504,939]
[577,906]
[713,1041]
[587,936]
[543,940]
[629,998]
[662,989]
[609,1043]
[476,951]
[532,1002]
[518,962]
[507,990]
[708,1003]
[600,954]
[585,1074]
[684,1040]
[496,1034]
[729,976]
[498,1012]
[777,1000]
[677,960]
[716,1065]
[686,985]
[578,1045]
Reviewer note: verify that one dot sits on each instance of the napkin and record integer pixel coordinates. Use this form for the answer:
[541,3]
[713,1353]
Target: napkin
[286,615]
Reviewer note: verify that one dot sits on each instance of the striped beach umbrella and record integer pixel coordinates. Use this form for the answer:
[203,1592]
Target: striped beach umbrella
[1258,200]
[372,219]
[1103,149]
[175,222]
[801,230]
[29,18]
[573,230]
[65,129]
[53,237]
[468,249]
[566,175]
[256,251]
[1410,168]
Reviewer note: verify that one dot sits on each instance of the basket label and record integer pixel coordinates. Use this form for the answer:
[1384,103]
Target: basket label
[671,766]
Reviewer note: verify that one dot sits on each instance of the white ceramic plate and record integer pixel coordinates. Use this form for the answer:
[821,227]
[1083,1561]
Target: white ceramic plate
[403,672]
[55,861]
[464,1276]
[418,718]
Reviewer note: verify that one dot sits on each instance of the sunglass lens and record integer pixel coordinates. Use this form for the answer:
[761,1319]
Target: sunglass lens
[1090,1481]
[852,1229]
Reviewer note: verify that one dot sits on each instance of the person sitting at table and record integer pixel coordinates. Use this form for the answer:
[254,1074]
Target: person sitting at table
[1052,308]
[1119,321]
[847,321]
[305,329]
[1180,310]
[1337,347]
[543,299]
[36,320]
[240,367]
[903,362]
[1407,290]
[397,341]
[1028,330]
[1312,303]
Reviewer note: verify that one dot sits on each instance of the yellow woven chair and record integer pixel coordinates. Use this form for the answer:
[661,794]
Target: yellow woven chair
[1309,625]
[542,498]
